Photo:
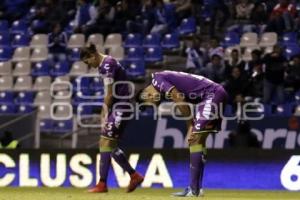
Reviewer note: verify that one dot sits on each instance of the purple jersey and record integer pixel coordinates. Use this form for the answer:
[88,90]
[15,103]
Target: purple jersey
[113,72]
[192,86]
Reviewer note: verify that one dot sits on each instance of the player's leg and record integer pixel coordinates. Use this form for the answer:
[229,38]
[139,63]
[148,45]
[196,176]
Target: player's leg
[106,146]
[114,128]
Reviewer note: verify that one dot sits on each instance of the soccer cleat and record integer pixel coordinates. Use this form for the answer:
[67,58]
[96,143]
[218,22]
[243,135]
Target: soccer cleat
[99,188]
[188,192]
[135,180]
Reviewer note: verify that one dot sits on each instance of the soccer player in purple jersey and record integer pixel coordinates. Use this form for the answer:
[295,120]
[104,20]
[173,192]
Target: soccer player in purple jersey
[112,73]
[185,90]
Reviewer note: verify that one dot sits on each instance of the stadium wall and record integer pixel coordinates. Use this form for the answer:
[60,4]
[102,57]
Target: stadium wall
[226,169]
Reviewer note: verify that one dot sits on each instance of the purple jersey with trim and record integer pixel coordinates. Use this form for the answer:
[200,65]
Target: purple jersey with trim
[192,86]
[112,72]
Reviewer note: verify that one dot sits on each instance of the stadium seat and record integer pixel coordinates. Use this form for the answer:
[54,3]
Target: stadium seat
[187,26]
[4,39]
[249,39]
[61,68]
[23,83]
[96,85]
[117,53]
[4,26]
[62,111]
[113,40]
[24,108]
[60,83]
[38,26]
[135,53]
[63,126]
[78,68]
[21,54]
[41,68]
[77,99]
[69,29]
[247,54]
[20,40]
[268,39]
[42,97]
[96,39]
[83,110]
[6,83]
[170,41]
[63,94]
[5,68]
[19,27]
[154,54]
[76,41]
[42,83]
[268,50]
[8,108]
[39,54]
[133,40]
[152,40]
[291,51]
[39,40]
[290,38]
[22,68]
[136,69]
[6,97]
[25,97]
[46,125]
[44,111]
[231,39]
[5,53]
[74,54]
[81,84]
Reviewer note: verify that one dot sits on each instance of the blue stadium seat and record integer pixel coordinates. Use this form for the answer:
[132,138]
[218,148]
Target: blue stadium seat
[46,125]
[41,68]
[69,29]
[84,110]
[136,69]
[231,39]
[135,53]
[133,40]
[170,41]
[19,27]
[62,126]
[291,50]
[4,39]
[38,26]
[74,54]
[96,85]
[290,38]
[5,53]
[61,68]
[152,40]
[20,40]
[154,54]
[83,83]
[6,97]
[25,98]
[187,26]
[8,108]
[22,109]
[4,26]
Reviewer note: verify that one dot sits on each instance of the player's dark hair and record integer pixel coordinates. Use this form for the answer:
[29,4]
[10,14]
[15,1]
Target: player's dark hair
[85,52]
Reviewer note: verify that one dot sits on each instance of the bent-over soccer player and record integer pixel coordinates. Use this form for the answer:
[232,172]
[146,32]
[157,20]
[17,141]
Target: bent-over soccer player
[208,96]
[112,72]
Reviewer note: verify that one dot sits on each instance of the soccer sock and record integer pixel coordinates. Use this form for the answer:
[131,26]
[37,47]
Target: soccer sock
[119,156]
[105,162]
[196,166]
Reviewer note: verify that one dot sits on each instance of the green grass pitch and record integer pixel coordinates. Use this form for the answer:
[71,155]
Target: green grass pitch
[140,194]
